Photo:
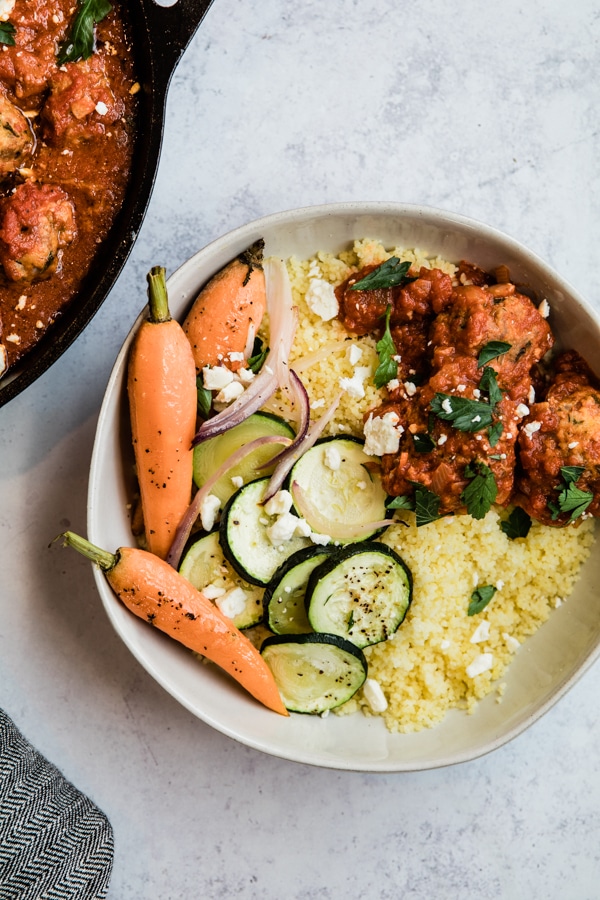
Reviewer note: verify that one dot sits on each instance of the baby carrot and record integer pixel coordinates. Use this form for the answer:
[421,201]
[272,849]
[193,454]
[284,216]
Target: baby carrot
[155,592]
[228,310]
[161,384]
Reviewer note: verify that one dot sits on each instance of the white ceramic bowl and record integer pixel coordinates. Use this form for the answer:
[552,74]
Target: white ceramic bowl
[544,668]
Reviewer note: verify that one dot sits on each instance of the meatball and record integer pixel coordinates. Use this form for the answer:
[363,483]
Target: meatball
[479,315]
[81,103]
[37,221]
[16,137]
[564,430]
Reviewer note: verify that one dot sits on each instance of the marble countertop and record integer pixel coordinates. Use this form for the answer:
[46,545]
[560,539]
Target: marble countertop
[485,109]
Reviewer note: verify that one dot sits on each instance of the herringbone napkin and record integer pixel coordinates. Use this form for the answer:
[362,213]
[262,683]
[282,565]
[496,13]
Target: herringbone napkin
[54,843]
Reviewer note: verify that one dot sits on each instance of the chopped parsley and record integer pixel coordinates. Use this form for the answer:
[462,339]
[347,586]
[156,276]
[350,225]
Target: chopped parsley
[387,369]
[402,502]
[466,415]
[494,434]
[571,498]
[492,350]
[481,491]
[204,399]
[423,442]
[390,273]
[425,503]
[81,41]
[7,34]
[517,525]
[489,383]
[480,598]
[259,354]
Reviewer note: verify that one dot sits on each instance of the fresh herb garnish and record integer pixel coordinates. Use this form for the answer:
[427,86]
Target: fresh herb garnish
[466,415]
[489,383]
[492,350]
[80,42]
[573,499]
[427,505]
[387,369]
[494,435]
[259,354]
[390,273]
[7,34]
[204,399]
[517,525]
[480,598]
[402,502]
[423,443]
[481,491]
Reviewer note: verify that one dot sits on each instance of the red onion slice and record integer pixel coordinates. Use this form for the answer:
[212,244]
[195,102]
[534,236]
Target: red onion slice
[338,531]
[301,400]
[193,511]
[289,457]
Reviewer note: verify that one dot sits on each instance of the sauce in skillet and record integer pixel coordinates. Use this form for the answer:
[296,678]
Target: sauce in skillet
[66,139]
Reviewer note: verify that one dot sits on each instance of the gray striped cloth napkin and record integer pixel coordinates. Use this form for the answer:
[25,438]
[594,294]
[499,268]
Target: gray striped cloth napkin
[55,844]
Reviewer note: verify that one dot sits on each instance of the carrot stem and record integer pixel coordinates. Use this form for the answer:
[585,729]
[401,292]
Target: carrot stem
[102,558]
[157,295]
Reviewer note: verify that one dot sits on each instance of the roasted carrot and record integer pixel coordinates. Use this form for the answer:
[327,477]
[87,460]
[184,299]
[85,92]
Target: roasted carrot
[161,383]
[159,595]
[228,310]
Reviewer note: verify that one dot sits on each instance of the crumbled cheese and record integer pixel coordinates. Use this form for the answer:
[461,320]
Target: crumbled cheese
[544,309]
[446,405]
[237,481]
[461,387]
[279,503]
[317,404]
[245,375]
[233,602]
[303,529]
[531,395]
[499,584]
[445,645]
[13,338]
[209,508]
[522,410]
[393,385]
[355,386]
[374,695]
[21,302]
[573,444]
[101,108]
[482,663]
[215,378]
[236,356]
[354,353]
[6,8]
[382,434]
[481,633]
[511,642]
[317,538]
[476,419]
[333,458]
[39,324]
[230,392]
[283,529]
[442,439]
[321,300]
[410,388]
[477,393]
[531,428]
[212,591]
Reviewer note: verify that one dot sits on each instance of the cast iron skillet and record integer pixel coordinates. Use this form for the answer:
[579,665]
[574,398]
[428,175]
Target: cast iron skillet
[160,35]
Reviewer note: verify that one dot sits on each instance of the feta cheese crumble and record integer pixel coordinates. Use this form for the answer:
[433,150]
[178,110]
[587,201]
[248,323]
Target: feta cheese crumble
[209,509]
[233,602]
[382,434]
[279,503]
[215,378]
[374,695]
[482,663]
[321,300]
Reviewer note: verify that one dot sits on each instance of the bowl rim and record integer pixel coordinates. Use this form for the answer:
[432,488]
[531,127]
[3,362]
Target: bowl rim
[244,235]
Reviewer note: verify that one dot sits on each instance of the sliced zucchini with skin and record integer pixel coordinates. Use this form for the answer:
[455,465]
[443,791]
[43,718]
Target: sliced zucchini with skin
[204,565]
[361,593]
[244,538]
[211,454]
[285,611]
[314,672]
[343,493]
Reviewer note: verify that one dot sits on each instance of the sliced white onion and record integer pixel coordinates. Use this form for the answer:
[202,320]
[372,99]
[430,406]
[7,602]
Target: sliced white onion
[338,531]
[288,458]
[193,511]
[283,318]
[250,341]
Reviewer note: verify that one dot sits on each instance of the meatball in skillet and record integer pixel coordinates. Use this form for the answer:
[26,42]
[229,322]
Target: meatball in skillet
[16,137]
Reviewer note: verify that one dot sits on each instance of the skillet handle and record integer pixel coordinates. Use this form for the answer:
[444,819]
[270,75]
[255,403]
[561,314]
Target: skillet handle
[170,29]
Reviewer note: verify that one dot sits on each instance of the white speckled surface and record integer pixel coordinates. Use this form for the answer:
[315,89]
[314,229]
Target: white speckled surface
[485,109]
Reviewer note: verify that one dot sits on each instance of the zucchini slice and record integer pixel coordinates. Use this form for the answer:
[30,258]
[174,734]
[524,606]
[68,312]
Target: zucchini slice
[343,493]
[244,537]
[210,455]
[314,672]
[361,593]
[205,567]
[285,612]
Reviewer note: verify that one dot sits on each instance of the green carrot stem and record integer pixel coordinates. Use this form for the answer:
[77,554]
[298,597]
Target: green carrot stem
[103,558]
[157,295]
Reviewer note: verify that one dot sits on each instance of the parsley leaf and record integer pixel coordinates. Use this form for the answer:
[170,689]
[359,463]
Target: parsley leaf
[466,415]
[387,369]
[480,598]
[517,525]
[427,505]
[574,500]
[423,443]
[492,350]
[571,474]
[390,273]
[7,34]
[81,39]
[259,354]
[481,491]
[489,383]
[402,502]
[204,398]
[494,435]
